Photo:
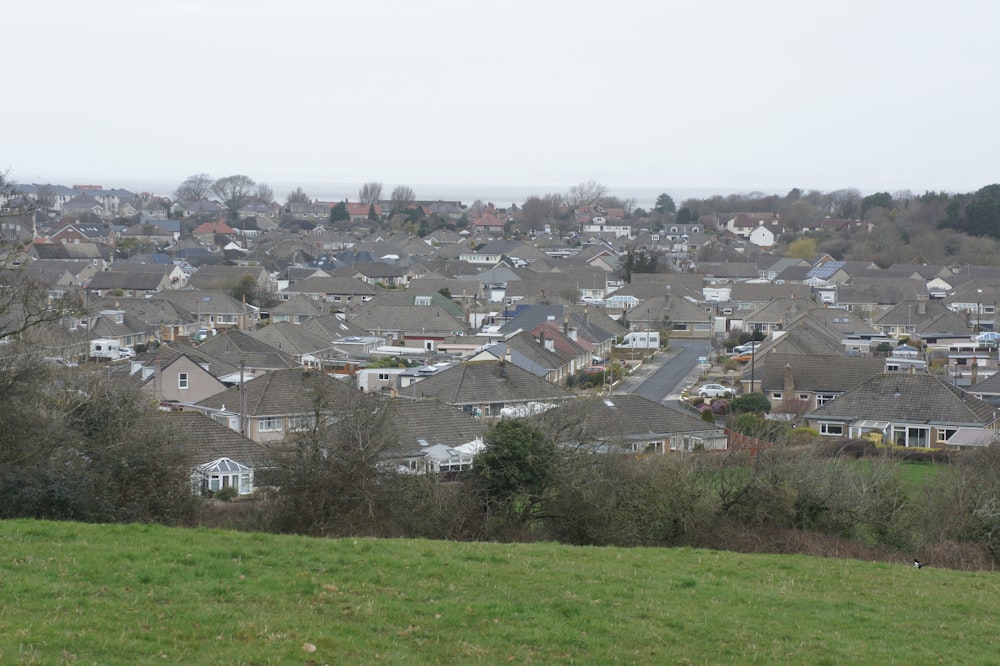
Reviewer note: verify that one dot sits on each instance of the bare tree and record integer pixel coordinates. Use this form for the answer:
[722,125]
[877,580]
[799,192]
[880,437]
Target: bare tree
[401,198]
[194,188]
[332,471]
[298,196]
[370,193]
[234,192]
[10,199]
[264,193]
[586,194]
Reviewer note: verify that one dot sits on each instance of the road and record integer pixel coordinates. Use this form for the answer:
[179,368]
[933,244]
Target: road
[665,383]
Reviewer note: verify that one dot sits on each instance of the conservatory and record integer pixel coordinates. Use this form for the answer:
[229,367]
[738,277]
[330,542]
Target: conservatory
[213,476]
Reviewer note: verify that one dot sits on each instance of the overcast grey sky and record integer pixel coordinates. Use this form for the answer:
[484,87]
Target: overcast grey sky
[732,95]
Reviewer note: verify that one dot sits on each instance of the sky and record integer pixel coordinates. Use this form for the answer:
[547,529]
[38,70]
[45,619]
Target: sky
[533,96]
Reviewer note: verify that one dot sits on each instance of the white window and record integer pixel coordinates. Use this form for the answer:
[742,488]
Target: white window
[269,424]
[776,396]
[182,380]
[832,429]
[383,376]
[823,398]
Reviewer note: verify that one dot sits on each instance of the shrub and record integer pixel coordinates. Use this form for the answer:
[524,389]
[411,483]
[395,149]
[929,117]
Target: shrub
[227,494]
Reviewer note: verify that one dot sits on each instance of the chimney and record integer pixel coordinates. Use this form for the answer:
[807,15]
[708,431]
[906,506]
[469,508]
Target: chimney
[975,371]
[789,387]
[571,332]
[922,307]
[501,369]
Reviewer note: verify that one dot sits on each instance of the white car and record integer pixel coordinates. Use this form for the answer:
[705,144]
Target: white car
[714,391]
[747,348]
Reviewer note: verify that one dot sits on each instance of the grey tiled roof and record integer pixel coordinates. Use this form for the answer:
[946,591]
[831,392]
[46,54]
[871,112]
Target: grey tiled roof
[234,347]
[624,416]
[825,373]
[921,398]
[479,382]
[285,392]
[433,422]
[207,440]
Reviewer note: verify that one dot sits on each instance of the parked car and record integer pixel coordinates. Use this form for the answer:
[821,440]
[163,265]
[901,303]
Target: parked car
[714,391]
[743,357]
[749,347]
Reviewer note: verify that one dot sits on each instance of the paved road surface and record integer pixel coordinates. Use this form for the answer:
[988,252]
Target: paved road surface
[663,378]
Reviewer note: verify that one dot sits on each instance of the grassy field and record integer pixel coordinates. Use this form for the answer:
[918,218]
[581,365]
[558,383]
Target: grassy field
[135,594]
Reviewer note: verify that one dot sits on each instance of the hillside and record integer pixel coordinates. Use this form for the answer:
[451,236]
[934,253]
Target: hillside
[126,594]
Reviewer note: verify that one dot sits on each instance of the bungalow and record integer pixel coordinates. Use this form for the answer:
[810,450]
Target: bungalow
[269,407]
[632,424]
[484,388]
[918,410]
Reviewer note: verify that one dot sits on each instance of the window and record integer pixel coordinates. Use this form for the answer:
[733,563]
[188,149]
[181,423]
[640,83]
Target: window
[383,376]
[832,429]
[269,424]
[823,398]
[776,396]
[182,380]
[909,436]
[944,434]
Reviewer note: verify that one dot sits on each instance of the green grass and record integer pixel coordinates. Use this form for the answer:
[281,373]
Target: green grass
[134,594]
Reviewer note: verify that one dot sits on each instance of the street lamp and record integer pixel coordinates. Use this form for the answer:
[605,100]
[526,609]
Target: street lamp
[979,308]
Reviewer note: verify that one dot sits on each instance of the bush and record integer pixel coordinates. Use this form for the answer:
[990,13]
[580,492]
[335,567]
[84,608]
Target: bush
[227,494]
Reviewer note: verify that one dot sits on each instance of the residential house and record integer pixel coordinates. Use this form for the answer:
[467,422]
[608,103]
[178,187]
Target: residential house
[124,329]
[212,309]
[240,350]
[744,224]
[296,310]
[488,223]
[631,424]
[432,437]
[226,278]
[539,355]
[800,383]
[82,232]
[484,388]
[423,326]
[595,332]
[81,204]
[221,458]
[170,375]
[375,273]
[912,410]
[680,316]
[923,318]
[209,233]
[310,347]
[167,321]
[276,404]
[203,208]
[336,291]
